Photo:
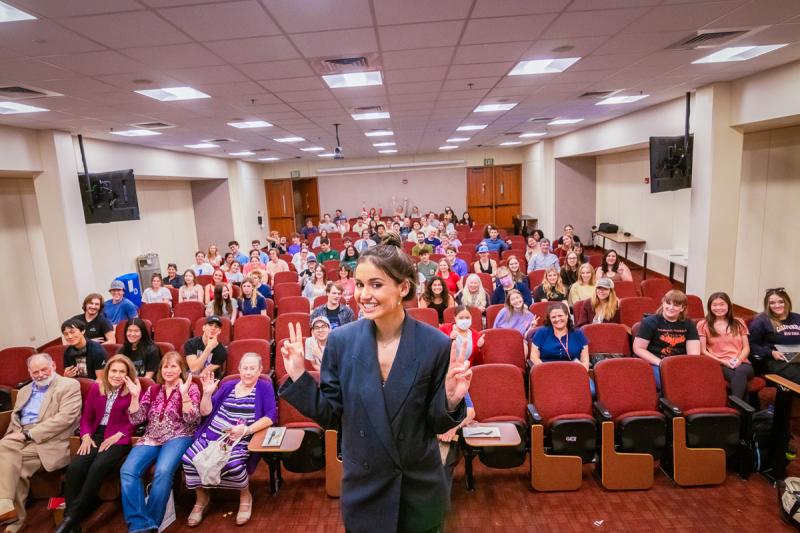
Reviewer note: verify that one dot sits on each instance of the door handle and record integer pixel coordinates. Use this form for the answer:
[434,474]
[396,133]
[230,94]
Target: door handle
[283,201]
[483,188]
[502,189]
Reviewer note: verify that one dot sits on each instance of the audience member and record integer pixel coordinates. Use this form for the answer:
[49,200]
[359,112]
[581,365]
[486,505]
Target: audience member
[569,272]
[223,304]
[365,242]
[466,219]
[309,229]
[322,234]
[327,224]
[238,255]
[307,275]
[350,257]
[173,279]
[584,287]
[217,278]
[342,226]
[569,231]
[515,315]
[140,349]
[98,328]
[473,294]
[263,289]
[557,340]
[333,310]
[457,265]
[316,285]
[485,264]
[432,240]
[118,308]
[255,244]
[505,284]
[532,245]
[436,296]
[339,216]
[254,262]
[235,274]
[452,234]
[516,270]
[295,246]
[777,326]
[205,353]
[190,291]
[564,246]
[252,303]
[315,344]
[551,289]
[327,254]
[451,279]
[227,261]
[600,307]
[544,259]
[201,266]
[421,245]
[347,282]
[213,256]
[613,268]
[425,266]
[494,243]
[464,334]
[275,265]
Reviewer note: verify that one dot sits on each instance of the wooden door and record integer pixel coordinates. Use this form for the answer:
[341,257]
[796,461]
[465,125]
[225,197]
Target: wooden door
[507,194]
[480,194]
[309,198]
[280,206]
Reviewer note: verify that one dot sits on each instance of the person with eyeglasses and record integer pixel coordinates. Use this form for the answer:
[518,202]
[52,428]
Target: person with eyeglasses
[775,334]
[315,344]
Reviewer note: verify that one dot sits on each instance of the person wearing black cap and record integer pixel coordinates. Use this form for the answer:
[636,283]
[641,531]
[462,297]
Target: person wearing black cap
[205,351]
[83,358]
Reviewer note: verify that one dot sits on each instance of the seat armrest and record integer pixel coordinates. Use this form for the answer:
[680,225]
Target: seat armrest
[601,412]
[23,383]
[533,415]
[744,408]
[670,409]
[5,421]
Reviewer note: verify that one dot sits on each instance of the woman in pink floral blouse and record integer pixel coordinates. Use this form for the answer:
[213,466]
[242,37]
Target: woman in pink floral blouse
[171,410]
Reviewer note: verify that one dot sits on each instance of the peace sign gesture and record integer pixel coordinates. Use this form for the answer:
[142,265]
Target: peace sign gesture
[292,352]
[459,375]
[184,386]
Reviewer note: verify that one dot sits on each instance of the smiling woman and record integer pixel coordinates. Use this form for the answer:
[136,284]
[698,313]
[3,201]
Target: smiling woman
[392,384]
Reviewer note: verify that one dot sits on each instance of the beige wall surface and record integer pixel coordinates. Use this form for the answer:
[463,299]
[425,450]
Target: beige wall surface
[575,186]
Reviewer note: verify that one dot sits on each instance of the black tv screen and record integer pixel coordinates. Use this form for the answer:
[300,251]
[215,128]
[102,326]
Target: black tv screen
[109,196]
[670,163]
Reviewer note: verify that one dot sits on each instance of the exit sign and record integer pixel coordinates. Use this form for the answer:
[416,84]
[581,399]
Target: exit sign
[295,174]
[488,162]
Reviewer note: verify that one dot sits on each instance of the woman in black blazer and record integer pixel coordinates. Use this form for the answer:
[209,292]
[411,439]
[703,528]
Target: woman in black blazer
[391,384]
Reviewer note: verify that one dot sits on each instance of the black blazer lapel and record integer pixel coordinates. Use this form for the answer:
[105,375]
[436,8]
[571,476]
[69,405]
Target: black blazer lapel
[404,370]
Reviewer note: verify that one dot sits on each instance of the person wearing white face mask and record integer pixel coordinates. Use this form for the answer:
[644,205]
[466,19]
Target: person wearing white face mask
[462,333]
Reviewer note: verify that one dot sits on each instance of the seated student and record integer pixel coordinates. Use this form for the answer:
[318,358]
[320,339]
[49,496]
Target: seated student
[316,285]
[433,240]
[516,270]
[275,265]
[442,248]
[337,313]
[569,272]
[505,284]
[451,279]
[564,247]
[602,306]
[380,233]
[309,229]
[724,339]
[569,231]
[494,242]
[544,259]
[338,215]
[350,257]
[515,315]
[532,245]
[436,296]
[205,352]
[557,340]
[307,275]
[173,279]
[274,241]
[347,282]
[251,303]
[421,245]
[323,234]
[583,288]
[263,289]
[295,246]
[426,267]
[666,333]
[342,226]
[82,358]
[454,240]
[201,266]
[37,436]
[578,249]
[327,224]
[223,304]
[98,328]
[238,255]
[171,410]
[466,219]
[315,344]
[405,228]
[106,432]
[234,274]
[362,223]
[255,244]
[140,349]
[457,265]
[217,278]
[485,264]
[227,261]
[613,268]
[213,256]
[464,333]
[254,262]
[327,253]
[473,294]
[236,411]
[365,242]
[190,291]
[776,326]
[551,289]
[415,212]
[118,308]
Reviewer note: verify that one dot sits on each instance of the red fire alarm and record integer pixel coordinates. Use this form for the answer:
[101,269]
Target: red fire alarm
[646,180]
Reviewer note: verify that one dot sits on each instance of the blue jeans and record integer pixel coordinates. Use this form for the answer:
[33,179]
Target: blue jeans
[657,374]
[167,457]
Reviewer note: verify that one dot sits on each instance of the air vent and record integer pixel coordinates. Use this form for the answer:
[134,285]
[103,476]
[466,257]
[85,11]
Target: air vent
[513,133]
[347,63]
[707,39]
[597,95]
[216,141]
[25,92]
[541,119]
[153,125]
[367,109]
[341,65]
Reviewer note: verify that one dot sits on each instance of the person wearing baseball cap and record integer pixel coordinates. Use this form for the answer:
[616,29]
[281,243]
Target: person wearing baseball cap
[206,351]
[315,344]
[603,306]
[118,308]
[485,263]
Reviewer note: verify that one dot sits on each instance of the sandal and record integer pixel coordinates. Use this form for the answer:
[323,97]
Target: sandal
[196,516]
[243,516]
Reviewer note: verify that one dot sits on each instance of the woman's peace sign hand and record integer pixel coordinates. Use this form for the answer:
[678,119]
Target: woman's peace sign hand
[459,375]
[292,352]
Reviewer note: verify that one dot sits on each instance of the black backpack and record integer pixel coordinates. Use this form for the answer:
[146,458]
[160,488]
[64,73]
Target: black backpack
[761,441]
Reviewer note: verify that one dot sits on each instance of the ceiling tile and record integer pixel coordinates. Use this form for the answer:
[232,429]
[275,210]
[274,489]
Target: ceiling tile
[255,49]
[477,83]
[588,5]
[174,56]
[170,3]
[78,86]
[415,74]
[336,43]
[40,38]
[614,61]
[300,17]
[504,29]
[230,20]
[592,23]
[200,75]
[479,70]
[293,68]
[760,12]
[126,81]
[493,8]
[425,35]
[230,88]
[94,63]
[127,30]
[580,47]
[682,16]
[424,57]
[24,70]
[406,11]
[293,84]
[61,8]
[416,87]
[780,33]
[487,53]
[306,96]
[639,42]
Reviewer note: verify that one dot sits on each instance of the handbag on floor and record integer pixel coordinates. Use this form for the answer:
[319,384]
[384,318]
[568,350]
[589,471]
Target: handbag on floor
[210,461]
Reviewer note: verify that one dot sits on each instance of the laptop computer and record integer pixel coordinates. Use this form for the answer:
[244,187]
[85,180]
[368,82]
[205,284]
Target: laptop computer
[791,352]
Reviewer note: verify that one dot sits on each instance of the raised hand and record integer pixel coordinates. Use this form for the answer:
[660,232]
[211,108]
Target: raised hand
[481,341]
[184,386]
[134,387]
[209,383]
[459,376]
[292,352]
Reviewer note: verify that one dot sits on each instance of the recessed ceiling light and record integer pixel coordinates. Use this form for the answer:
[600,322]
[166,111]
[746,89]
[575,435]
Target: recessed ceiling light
[563,121]
[738,53]
[473,127]
[489,108]
[13,108]
[172,94]
[543,66]
[11,14]
[353,79]
[326,155]
[289,140]
[370,116]
[457,139]
[613,100]
[379,133]
[313,149]
[202,145]
[510,143]
[269,159]
[250,124]
[136,133]
[448,147]
[385,143]
[242,153]
[529,135]
[387,151]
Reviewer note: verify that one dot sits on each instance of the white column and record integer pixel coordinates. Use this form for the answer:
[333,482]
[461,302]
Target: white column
[538,185]
[248,201]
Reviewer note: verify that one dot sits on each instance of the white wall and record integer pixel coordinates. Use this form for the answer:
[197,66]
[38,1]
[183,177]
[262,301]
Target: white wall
[538,184]
[248,200]
[767,249]
[575,194]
